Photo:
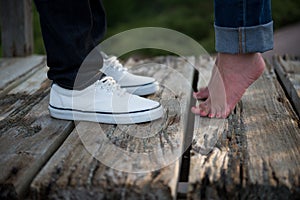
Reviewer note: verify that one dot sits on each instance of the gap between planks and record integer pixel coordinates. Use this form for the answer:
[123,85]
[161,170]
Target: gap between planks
[28,135]
[254,154]
[14,71]
[73,173]
[288,72]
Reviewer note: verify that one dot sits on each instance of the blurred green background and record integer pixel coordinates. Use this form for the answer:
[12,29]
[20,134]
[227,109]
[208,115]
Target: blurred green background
[191,17]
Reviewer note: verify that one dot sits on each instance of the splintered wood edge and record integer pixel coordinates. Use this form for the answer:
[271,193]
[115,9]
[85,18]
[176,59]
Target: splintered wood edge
[207,169]
[206,131]
[172,181]
[35,85]
[54,137]
[278,153]
[287,84]
[205,153]
[22,69]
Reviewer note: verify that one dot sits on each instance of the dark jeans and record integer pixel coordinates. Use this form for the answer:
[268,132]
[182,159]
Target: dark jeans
[243,26]
[71,29]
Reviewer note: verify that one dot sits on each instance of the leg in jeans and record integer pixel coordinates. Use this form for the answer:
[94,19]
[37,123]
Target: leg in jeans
[243,30]
[71,29]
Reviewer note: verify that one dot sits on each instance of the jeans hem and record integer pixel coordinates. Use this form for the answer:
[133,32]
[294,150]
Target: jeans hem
[244,39]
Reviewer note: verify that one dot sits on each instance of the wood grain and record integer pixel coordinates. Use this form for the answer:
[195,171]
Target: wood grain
[16,27]
[140,161]
[206,131]
[28,136]
[288,71]
[253,154]
[18,96]
[14,71]
[256,155]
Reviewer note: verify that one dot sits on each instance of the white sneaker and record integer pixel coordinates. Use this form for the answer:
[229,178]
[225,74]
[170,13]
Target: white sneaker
[105,102]
[139,85]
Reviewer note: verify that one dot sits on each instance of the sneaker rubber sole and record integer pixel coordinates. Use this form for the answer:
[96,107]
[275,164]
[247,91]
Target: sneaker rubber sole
[109,118]
[142,90]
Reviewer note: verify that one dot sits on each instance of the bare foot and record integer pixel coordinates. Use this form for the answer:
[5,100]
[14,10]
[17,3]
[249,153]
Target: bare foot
[203,93]
[232,76]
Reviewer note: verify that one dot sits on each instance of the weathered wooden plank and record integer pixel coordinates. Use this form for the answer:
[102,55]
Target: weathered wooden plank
[16,27]
[28,136]
[16,70]
[206,131]
[140,161]
[17,96]
[256,155]
[288,71]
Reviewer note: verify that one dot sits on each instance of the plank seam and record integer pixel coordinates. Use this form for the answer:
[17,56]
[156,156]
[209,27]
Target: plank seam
[188,137]
[287,86]
[14,83]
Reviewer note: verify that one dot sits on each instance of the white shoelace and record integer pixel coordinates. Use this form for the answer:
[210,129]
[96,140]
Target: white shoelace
[113,62]
[109,84]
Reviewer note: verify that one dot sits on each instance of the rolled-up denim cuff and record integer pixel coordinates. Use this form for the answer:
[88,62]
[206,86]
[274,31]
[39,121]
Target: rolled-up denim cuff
[244,39]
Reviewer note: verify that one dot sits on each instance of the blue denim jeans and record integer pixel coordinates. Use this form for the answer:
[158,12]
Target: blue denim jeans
[71,29]
[243,26]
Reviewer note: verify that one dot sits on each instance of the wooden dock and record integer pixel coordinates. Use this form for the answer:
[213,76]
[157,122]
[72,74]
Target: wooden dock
[253,154]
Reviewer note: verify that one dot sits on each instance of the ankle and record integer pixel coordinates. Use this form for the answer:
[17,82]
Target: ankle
[239,62]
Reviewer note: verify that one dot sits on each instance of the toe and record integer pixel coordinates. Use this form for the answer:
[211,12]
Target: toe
[226,113]
[219,112]
[201,94]
[204,108]
[199,111]
[218,115]
[196,110]
[211,115]
[203,113]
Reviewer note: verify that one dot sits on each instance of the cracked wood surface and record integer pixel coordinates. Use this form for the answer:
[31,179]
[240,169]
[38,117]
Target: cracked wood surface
[16,70]
[73,172]
[254,154]
[28,136]
[288,70]
[257,152]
